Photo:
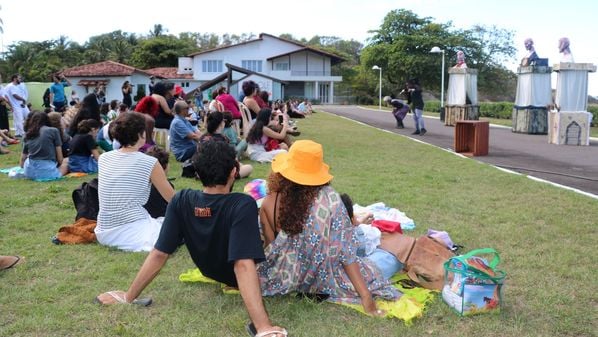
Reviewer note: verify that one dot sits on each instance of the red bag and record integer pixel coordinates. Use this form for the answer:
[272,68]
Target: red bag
[388,226]
[272,144]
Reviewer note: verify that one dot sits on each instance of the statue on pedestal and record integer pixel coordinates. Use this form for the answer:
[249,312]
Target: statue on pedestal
[564,49]
[531,56]
[460,60]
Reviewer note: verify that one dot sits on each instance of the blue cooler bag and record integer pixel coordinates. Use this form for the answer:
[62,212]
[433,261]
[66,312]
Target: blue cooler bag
[471,284]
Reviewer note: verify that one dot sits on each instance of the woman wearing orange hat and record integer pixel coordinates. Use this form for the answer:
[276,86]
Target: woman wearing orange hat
[311,241]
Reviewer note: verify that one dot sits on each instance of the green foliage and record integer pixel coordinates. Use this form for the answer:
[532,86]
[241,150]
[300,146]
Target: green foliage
[402,44]
[594,110]
[160,51]
[499,110]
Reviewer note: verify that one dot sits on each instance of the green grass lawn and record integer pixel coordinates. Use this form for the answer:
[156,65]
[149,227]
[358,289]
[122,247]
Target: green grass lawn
[546,236]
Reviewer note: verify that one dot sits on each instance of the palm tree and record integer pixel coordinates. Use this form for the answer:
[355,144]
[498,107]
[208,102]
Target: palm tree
[1,25]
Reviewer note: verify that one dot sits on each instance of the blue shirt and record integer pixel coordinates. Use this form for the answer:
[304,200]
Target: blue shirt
[179,129]
[58,90]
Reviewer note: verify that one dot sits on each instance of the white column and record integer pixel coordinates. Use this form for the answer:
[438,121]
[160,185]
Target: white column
[331,93]
[316,90]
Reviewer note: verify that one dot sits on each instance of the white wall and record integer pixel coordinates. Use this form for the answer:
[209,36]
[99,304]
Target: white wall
[258,50]
[114,86]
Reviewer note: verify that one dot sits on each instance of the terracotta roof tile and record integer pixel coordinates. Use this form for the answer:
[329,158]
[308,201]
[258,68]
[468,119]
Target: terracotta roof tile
[106,68]
[168,73]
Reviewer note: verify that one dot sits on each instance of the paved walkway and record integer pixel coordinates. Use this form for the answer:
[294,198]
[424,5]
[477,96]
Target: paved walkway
[573,166]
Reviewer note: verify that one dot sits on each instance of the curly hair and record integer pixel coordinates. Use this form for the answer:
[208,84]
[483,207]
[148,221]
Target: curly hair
[213,161]
[148,105]
[213,121]
[160,154]
[295,202]
[128,127]
[86,125]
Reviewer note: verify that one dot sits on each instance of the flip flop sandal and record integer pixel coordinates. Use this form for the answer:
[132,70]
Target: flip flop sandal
[17,261]
[272,333]
[143,302]
[253,331]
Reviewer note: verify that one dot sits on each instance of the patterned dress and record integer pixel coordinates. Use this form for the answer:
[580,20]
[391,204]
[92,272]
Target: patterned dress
[312,261]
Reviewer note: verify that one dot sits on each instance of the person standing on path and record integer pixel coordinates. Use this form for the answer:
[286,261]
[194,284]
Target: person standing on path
[57,96]
[414,97]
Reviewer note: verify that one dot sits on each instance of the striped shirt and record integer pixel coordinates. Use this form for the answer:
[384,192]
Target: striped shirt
[123,187]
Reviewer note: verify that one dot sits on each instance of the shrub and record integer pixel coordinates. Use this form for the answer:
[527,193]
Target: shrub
[501,110]
[593,109]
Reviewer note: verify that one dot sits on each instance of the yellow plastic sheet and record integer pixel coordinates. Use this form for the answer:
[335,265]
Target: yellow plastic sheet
[411,305]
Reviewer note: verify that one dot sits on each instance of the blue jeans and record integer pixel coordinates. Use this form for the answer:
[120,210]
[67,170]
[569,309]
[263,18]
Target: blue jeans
[419,119]
[386,262]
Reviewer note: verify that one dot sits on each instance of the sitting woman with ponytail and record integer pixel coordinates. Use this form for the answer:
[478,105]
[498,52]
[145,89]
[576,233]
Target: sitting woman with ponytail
[215,124]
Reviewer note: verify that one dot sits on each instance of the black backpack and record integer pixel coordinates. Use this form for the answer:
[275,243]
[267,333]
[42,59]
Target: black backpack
[85,198]
[188,170]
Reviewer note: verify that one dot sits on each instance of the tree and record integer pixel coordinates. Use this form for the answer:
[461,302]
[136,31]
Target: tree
[161,51]
[115,46]
[402,48]
[158,30]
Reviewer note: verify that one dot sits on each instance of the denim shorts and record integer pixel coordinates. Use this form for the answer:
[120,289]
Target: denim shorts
[41,169]
[386,262]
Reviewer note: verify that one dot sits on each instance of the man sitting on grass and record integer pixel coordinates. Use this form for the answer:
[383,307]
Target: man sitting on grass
[220,230]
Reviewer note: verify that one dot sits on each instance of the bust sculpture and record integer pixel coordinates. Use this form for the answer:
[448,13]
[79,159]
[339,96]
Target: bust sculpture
[565,50]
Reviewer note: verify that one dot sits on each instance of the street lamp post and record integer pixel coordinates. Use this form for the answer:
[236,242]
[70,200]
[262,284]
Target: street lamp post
[379,87]
[436,50]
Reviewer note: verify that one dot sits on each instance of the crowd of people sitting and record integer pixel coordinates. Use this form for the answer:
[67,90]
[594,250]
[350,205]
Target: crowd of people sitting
[303,240]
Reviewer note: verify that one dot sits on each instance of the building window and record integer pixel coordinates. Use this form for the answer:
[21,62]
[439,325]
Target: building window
[211,66]
[253,65]
[281,66]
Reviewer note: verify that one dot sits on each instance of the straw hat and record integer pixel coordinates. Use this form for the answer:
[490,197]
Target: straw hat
[303,164]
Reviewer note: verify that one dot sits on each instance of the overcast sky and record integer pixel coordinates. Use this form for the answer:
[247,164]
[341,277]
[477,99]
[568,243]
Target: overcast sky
[545,21]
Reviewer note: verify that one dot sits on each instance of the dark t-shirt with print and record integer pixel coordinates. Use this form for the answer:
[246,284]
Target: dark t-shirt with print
[82,145]
[218,229]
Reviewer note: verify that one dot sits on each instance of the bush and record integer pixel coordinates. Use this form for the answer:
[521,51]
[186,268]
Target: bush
[593,109]
[501,110]
[432,106]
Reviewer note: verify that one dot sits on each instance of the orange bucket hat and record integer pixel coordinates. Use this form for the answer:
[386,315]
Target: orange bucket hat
[303,164]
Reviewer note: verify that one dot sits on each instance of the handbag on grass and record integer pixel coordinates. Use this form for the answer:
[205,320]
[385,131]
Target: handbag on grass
[472,285]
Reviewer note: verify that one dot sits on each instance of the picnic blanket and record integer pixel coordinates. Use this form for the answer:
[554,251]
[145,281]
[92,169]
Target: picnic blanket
[18,172]
[409,306]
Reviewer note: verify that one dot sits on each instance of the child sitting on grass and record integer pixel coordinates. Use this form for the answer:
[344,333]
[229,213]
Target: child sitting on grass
[84,155]
[239,144]
[369,240]
[156,204]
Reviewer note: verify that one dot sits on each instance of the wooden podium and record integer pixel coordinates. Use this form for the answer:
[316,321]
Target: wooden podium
[471,137]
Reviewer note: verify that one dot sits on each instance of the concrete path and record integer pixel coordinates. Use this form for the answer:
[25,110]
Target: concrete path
[573,166]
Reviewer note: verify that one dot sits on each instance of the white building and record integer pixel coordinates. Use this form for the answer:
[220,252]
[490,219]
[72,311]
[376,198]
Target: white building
[282,67]
[111,75]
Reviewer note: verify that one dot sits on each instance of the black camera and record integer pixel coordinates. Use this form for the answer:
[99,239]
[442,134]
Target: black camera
[280,119]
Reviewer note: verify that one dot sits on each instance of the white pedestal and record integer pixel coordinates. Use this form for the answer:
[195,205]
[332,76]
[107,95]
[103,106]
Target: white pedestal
[569,128]
[533,87]
[572,85]
[463,87]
